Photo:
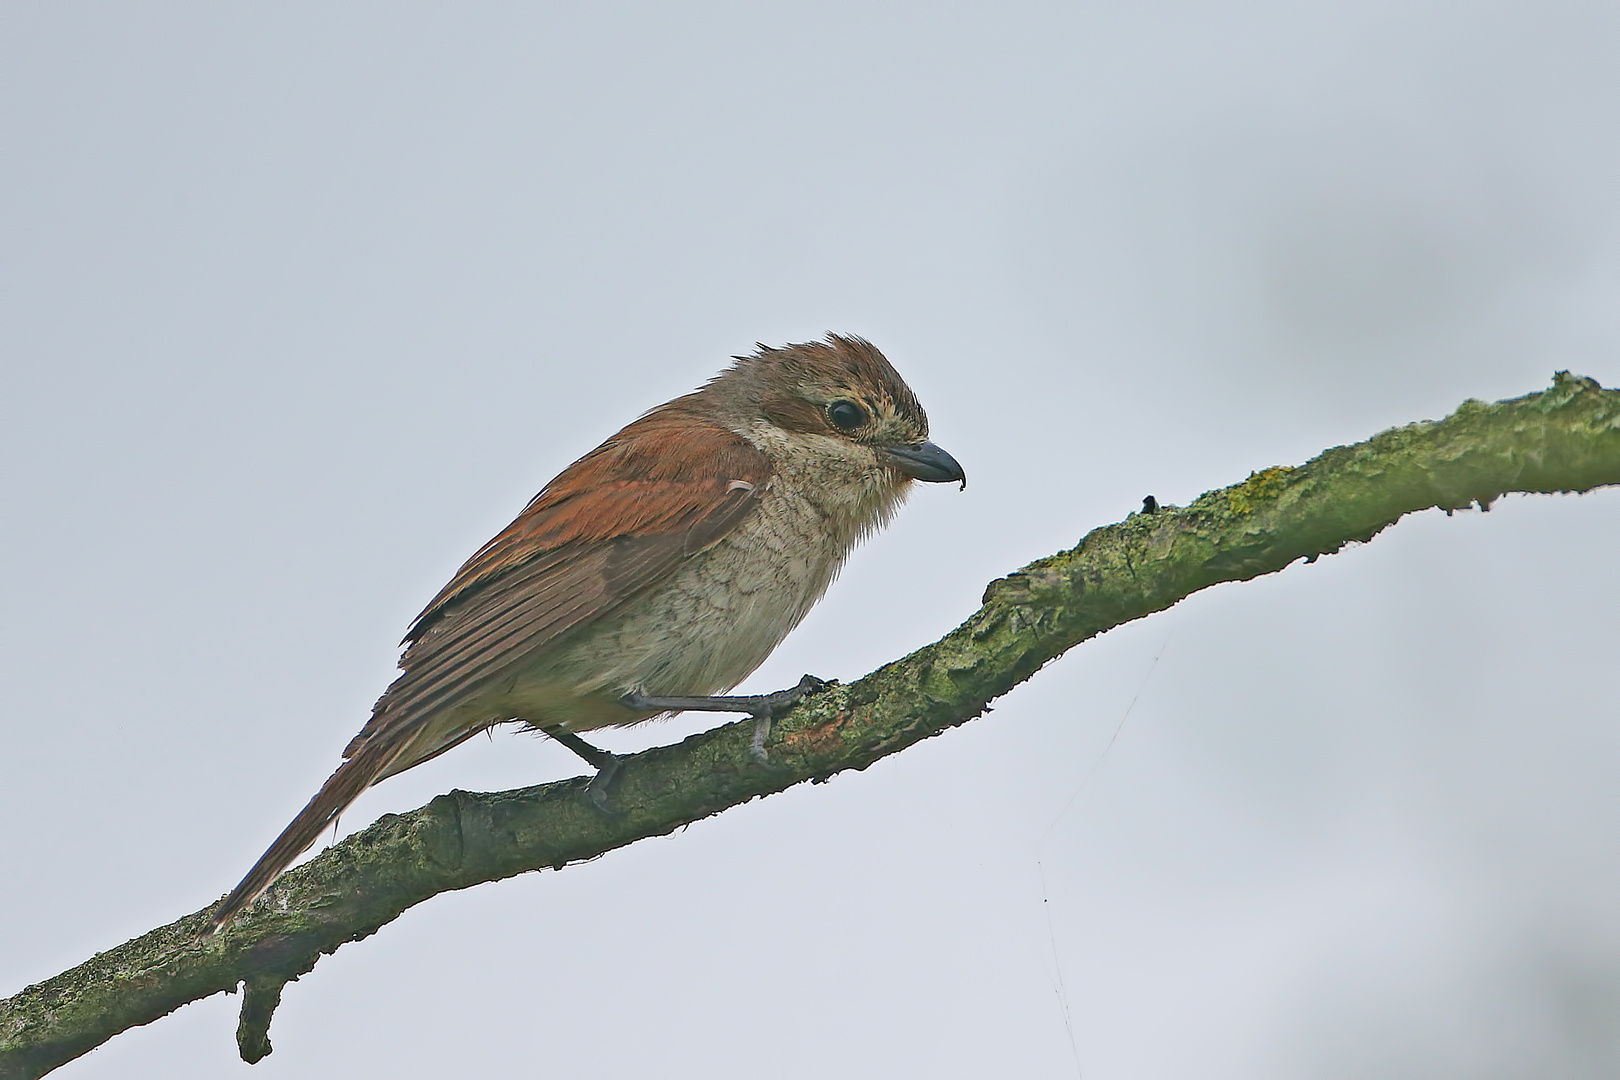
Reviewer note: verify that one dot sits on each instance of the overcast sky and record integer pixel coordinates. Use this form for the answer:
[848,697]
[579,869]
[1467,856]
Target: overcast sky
[304,301]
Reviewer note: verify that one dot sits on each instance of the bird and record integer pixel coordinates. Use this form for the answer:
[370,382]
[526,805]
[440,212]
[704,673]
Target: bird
[650,576]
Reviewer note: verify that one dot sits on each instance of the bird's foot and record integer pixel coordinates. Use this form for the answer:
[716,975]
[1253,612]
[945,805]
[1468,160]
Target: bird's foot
[608,765]
[762,707]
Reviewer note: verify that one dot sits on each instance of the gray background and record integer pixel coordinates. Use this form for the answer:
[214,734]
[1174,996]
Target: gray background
[304,301]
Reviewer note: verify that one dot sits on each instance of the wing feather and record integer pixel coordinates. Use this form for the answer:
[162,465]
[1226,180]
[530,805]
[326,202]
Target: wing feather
[613,525]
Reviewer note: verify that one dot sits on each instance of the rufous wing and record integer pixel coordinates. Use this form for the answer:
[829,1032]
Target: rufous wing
[613,525]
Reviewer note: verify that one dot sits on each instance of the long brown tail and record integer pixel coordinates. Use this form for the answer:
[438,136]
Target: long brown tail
[344,786]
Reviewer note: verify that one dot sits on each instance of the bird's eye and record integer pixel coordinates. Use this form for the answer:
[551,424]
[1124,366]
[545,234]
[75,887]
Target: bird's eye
[846,415]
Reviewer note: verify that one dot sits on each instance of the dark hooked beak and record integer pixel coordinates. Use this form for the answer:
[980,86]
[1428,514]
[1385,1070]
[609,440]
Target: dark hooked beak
[923,461]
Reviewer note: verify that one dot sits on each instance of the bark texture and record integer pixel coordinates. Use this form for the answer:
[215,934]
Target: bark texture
[1565,439]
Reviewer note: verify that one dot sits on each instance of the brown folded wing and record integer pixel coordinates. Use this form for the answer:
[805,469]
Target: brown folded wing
[616,523]
[613,525]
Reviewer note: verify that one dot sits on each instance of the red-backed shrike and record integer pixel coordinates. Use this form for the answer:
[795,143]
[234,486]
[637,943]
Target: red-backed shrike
[659,569]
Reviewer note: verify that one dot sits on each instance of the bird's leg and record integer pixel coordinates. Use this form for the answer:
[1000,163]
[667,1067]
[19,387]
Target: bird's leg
[606,765]
[762,707]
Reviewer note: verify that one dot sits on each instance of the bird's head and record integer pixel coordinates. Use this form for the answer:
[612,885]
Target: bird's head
[841,393]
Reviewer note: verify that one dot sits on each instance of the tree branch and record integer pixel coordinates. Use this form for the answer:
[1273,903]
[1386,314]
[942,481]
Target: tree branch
[1562,440]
